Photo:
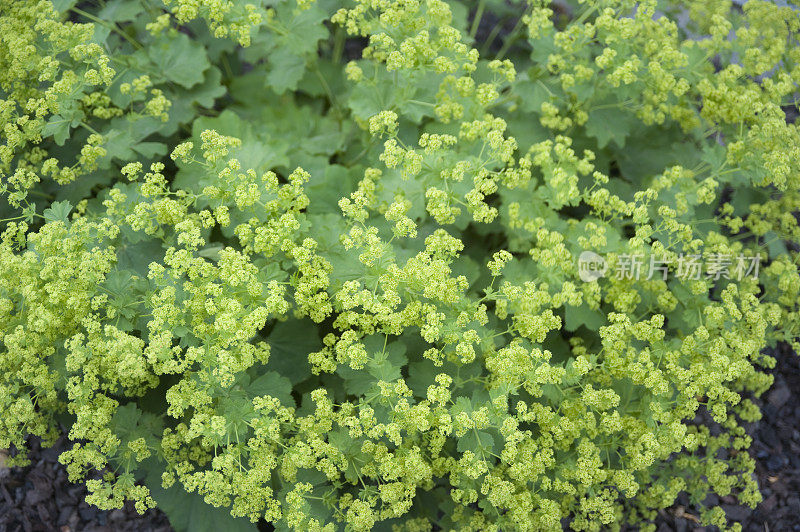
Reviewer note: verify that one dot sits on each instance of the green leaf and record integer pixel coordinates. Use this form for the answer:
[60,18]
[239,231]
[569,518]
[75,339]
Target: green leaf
[385,364]
[367,100]
[346,265]
[261,150]
[476,441]
[150,150]
[28,214]
[582,315]
[321,135]
[543,47]
[179,59]
[188,512]
[325,191]
[125,418]
[527,130]
[609,123]
[689,313]
[327,78]
[58,212]
[129,423]
[582,91]
[469,268]
[290,343]
[63,5]
[342,440]
[640,160]
[714,154]
[776,245]
[125,290]
[462,404]
[649,150]
[122,139]
[304,28]
[118,282]
[137,256]
[287,70]
[58,126]
[211,89]
[271,383]
[532,93]
[421,375]
[415,95]
[120,11]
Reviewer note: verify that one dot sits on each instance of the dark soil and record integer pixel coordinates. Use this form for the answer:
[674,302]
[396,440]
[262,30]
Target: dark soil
[40,498]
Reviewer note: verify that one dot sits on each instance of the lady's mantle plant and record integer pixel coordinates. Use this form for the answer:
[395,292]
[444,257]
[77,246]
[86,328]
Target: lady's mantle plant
[261,275]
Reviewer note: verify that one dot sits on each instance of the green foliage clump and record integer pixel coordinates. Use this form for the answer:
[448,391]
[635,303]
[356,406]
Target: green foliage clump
[262,275]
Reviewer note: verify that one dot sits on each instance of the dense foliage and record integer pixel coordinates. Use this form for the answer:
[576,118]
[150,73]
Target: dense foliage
[316,262]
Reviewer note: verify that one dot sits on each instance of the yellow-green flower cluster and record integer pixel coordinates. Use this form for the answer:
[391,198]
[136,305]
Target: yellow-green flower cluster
[335,329]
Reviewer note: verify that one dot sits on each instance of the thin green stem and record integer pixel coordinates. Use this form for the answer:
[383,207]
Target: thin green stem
[512,37]
[585,15]
[418,102]
[21,216]
[112,27]
[89,128]
[338,45]
[476,22]
[326,87]
[490,39]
